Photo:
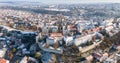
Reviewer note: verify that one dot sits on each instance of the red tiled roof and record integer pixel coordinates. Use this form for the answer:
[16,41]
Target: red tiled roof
[3,61]
[55,34]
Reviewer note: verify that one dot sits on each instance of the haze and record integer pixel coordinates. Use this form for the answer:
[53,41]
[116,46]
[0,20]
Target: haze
[68,1]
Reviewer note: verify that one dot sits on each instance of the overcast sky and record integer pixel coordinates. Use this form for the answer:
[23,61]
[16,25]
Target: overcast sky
[69,1]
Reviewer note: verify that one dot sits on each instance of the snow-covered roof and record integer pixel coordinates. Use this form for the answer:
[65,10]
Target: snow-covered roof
[82,40]
[2,38]
[25,32]
[2,53]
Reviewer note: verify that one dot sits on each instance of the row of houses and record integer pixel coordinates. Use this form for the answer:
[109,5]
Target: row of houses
[53,33]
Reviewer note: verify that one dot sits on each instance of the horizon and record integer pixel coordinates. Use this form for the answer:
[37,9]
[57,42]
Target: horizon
[65,1]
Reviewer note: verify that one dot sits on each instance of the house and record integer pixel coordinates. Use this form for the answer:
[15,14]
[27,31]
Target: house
[2,53]
[28,59]
[83,39]
[89,58]
[100,57]
[49,58]
[50,49]
[68,40]
[50,41]
[117,56]
[98,36]
[4,61]
[109,29]
[53,29]
[108,60]
[118,47]
[45,30]
[54,37]
[28,37]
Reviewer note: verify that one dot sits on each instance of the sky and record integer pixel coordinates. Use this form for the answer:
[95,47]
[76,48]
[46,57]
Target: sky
[69,1]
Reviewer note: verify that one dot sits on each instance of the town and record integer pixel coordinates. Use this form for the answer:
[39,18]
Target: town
[65,33]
